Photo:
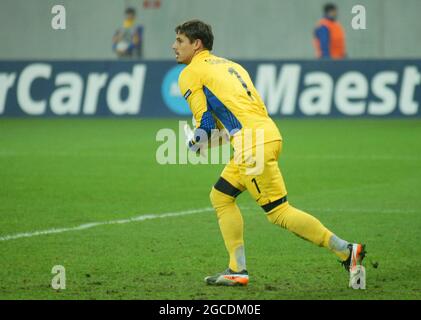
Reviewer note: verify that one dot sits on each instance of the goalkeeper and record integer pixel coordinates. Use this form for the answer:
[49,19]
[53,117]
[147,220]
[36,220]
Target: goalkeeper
[220,92]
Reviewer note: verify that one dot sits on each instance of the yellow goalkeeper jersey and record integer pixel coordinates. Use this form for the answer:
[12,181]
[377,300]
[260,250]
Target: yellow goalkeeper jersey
[220,91]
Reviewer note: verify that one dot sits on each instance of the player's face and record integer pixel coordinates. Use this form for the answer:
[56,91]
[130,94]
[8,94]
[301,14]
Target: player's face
[184,50]
[333,14]
[130,16]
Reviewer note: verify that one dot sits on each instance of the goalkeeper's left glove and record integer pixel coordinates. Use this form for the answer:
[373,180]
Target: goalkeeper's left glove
[189,134]
[191,142]
[190,139]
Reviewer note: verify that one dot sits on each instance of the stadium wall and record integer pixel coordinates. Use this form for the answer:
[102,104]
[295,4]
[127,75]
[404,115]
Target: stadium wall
[296,88]
[244,29]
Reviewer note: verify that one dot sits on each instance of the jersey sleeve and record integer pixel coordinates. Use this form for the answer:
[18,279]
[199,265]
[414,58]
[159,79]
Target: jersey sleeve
[322,33]
[191,88]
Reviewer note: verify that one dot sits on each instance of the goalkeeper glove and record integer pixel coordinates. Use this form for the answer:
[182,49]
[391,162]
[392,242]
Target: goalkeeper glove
[189,135]
[190,139]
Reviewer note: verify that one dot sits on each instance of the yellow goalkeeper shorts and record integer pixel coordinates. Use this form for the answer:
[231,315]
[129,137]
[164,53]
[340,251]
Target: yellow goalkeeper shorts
[267,187]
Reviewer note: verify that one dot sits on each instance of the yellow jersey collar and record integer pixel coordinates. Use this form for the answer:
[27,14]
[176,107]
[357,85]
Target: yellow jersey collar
[201,55]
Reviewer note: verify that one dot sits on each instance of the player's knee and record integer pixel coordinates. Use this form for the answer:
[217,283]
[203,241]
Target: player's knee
[219,199]
[276,215]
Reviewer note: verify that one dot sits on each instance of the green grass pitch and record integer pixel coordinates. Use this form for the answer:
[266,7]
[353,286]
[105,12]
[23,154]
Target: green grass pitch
[360,177]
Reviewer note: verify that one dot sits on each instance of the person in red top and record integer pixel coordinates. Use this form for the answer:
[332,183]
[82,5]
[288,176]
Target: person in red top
[329,35]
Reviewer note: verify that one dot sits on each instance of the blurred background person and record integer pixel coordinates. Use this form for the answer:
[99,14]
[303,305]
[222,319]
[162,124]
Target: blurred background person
[128,40]
[329,35]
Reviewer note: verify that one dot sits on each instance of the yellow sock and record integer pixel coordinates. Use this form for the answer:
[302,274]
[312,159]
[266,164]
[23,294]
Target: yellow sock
[231,225]
[307,227]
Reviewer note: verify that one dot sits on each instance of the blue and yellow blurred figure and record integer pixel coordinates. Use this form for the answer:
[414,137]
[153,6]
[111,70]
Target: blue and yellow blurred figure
[220,91]
[127,40]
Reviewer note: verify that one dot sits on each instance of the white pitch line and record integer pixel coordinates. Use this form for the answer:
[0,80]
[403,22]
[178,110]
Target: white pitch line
[184,213]
[96,224]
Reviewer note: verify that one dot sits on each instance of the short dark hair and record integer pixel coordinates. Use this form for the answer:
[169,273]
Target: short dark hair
[329,7]
[196,29]
[130,10]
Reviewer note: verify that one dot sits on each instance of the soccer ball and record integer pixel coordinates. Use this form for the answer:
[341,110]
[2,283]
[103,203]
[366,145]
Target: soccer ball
[122,46]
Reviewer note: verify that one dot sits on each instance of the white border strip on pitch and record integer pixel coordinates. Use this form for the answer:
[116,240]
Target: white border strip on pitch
[96,224]
[182,213]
